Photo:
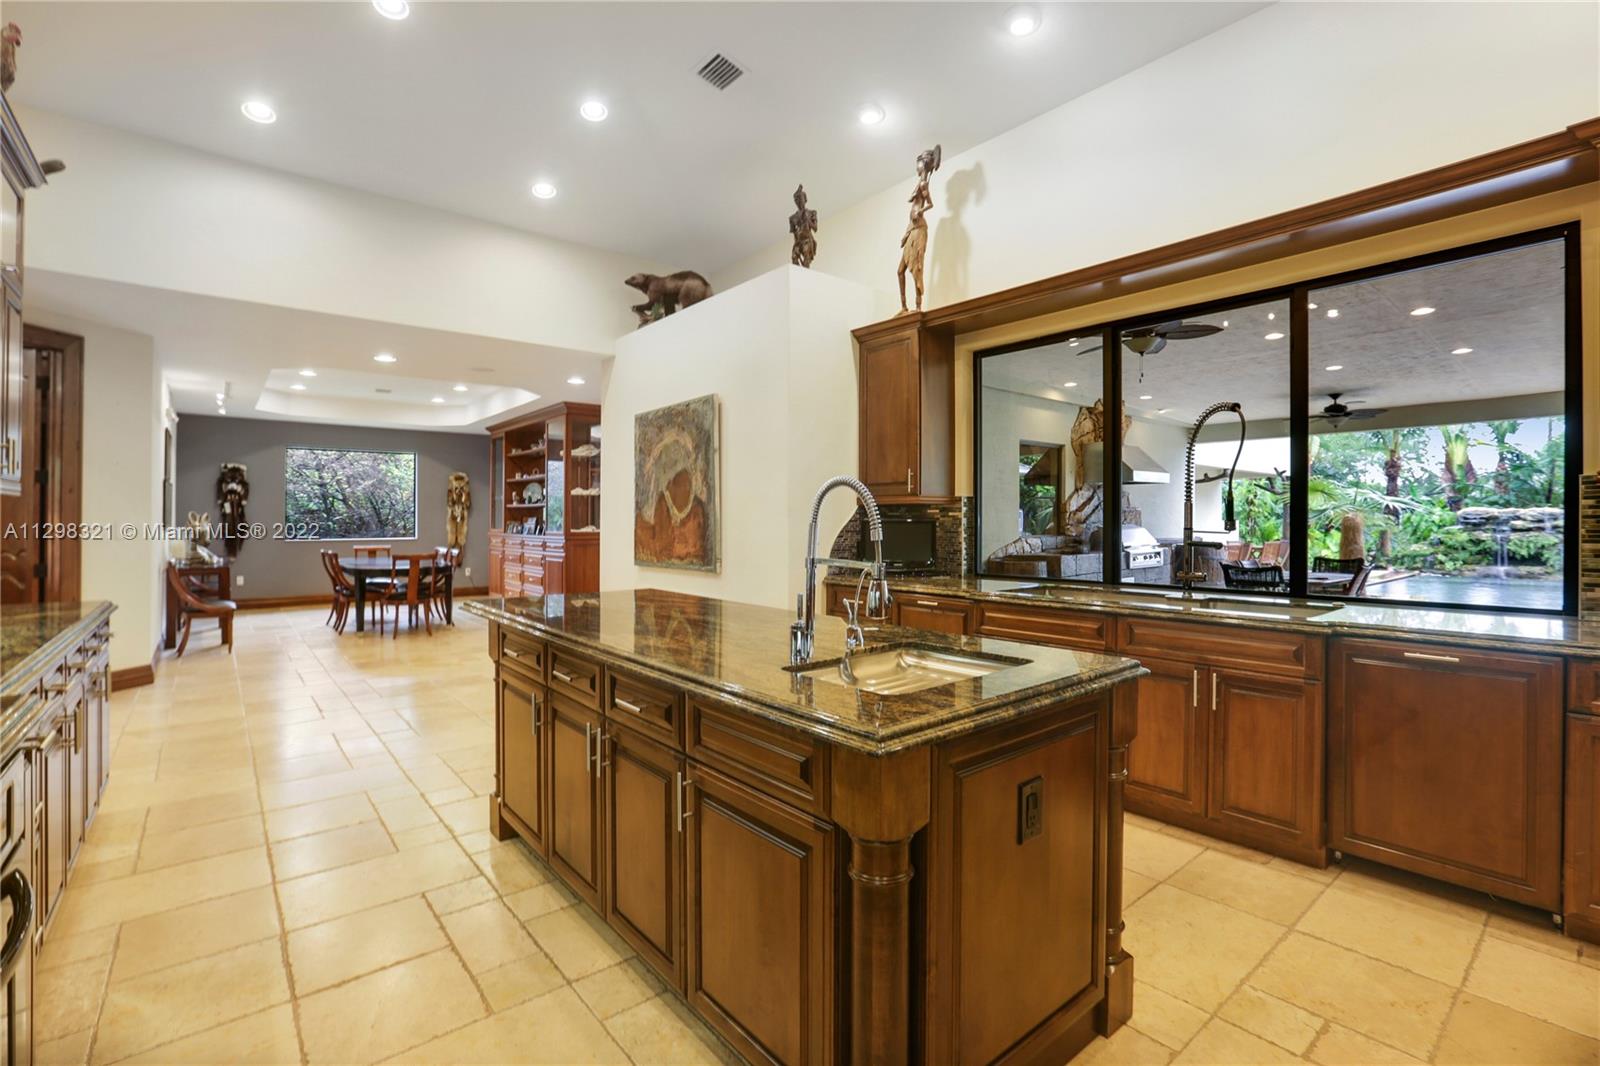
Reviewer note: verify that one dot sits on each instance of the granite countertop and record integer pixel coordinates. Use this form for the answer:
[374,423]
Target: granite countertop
[735,653]
[32,637]
[1554,634]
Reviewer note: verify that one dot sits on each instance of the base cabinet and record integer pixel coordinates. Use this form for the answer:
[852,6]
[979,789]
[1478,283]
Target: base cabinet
[1581,864]
[644,846]
[1447,761]
[938,615]
[1167,761]
[523,709]
[574,848]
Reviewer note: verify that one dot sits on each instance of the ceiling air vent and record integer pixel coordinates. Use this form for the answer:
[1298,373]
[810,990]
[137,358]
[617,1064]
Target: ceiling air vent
[720,71]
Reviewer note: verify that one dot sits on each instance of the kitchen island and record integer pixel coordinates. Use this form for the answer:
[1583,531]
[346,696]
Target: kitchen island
[824,872]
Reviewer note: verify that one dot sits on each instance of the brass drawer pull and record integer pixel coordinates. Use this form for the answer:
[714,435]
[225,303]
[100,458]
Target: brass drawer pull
[513,653]
[1213,692]
[1432,658]
[561,675]
[588,748]
[626,705]
[928,603]
[682,805]
[1194,687]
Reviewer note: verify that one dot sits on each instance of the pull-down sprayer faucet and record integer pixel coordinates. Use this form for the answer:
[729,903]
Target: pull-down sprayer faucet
[802,630]
[1188,571]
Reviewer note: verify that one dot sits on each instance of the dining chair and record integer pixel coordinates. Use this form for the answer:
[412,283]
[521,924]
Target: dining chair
[192,606]
[1358,570]
[1273,553]
[1240,576]
[1238,551]
[371,551]
[344,591]
[407,588]
[445,561]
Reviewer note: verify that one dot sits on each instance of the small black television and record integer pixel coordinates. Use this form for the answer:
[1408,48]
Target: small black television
[909,544]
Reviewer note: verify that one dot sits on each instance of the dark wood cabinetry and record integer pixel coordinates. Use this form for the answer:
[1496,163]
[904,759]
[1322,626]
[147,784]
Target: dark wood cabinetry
[19,171]
[906,380]
[644,818]
[1447,761]
[544,504]
[523,713]
[574,796]
[1167,763]
[1063,629]
[934,613]
[1265,769]
[1581,865]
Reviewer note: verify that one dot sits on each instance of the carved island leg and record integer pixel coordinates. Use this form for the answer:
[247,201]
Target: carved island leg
[1117,1007]
[881,802]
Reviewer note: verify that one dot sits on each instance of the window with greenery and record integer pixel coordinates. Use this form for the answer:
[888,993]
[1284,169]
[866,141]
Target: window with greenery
[348,494]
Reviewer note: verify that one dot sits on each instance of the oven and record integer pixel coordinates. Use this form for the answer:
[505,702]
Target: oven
[16,916]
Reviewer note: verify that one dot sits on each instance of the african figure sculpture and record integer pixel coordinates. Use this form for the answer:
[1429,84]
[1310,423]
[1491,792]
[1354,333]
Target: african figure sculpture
[803,225]
[914,245]
[457,502]
[232,492]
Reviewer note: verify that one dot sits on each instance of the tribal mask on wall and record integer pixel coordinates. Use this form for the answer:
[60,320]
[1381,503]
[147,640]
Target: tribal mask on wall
[232,492]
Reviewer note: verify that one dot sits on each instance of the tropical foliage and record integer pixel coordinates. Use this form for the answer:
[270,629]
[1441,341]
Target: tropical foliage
[337,494]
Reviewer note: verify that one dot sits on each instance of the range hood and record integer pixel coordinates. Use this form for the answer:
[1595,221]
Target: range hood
[1137,467]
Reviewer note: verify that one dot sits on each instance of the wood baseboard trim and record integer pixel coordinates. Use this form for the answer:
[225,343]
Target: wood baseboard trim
[320,599]
[135,676]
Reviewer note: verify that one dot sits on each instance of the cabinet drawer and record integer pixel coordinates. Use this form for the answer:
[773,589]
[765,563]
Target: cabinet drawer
[1066,629]
[577,678]
[1264,650]
[524,653]
[654,711]
[934,613]
[778,761]
[1583,685]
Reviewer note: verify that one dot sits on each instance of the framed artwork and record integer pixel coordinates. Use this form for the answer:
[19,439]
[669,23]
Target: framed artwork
[677,519]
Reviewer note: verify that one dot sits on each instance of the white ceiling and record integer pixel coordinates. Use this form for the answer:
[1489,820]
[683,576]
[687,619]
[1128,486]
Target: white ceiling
[254,352]
[463,105]
[1508,308]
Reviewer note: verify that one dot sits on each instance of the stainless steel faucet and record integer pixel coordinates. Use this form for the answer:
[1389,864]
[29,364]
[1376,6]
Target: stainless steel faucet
[1188,571]
[802,631]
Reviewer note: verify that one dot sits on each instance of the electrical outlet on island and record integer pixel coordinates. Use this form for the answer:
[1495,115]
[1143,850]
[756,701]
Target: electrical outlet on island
[238,579]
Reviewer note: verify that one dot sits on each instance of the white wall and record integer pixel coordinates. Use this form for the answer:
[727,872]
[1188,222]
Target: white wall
[778,354]
[1294,104]
[122,441]
[148,212]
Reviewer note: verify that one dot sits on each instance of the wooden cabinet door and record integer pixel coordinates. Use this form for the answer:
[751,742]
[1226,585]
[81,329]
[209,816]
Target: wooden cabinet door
[644,848]
[891,408]
[523,708]
[761,882]
[13,396]
[1168,758]
[77,798]
[497,586]
[1266,758]
[1447,761]
[50,809]
[939,616]
[574,796]
[1581,881]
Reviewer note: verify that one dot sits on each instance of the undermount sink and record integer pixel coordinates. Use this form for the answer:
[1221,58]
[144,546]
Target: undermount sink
[895,671]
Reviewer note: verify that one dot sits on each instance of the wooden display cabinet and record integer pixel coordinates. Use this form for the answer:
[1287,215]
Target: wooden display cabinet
[906,381]
[544,521]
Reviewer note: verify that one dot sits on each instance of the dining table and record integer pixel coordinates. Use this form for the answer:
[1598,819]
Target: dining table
[362,569]
[1327,582]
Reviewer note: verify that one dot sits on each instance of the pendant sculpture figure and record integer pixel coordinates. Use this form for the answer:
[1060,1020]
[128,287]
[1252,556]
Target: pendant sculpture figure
[232,492]
[803,225]
[457,503]
[914,245]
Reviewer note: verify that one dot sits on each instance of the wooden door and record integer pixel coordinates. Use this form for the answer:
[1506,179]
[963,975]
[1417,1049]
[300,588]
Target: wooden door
[1168,758]
[1266,758]
[523,708]
[1447,761]
[644,785]
[574,796]
[1581,879]
[939,616]
[760,922]
[15,395]
[890,405]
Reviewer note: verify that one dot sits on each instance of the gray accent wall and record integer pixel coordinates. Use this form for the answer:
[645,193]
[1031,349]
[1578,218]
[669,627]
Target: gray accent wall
[291,568]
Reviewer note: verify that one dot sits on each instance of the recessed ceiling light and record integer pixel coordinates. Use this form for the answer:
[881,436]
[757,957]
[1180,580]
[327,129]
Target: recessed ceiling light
[594,110]
[392,9]
[1224,323]
[1462,351]
[259,111]
[575,380]
[221,396]
[1334,366]
[1163,410]
[1418,312]
[870,114]
[437,399]
[383,357]
[222,410]
[1147,397]
[1312,307]
[1272,316]
[458,388]
[544,190]
[1069,384]
[1274,336]
[1072,344]
[298,386]
[1022,20]
[308,373]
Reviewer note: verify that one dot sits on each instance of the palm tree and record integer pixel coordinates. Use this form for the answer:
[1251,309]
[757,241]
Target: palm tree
[1458,471]
[1502,431]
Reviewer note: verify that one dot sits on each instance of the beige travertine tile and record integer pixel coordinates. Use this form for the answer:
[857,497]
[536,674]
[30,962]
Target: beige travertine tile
[1166,1018]
[335,951]
[616,988]
[1222,1044]
[1134,885]
[1482,1032]
[69,1050]
[90,906]
[465,816]
[461,895]
[509,867]
[1523,979]
[1271,1018]
[1395,1006]
[408,812]
[66,999]
[1156,855]
[1194,948]
[61,949]
[1434,942]
[527,977]
[1248,886]
[554,1029]
[318,817]
[160,1007]
[319,897]
[1340,1046]
[382,1013]
[540,899]
[422,834]
[316,852]
[199,842]
[1126,1047]
[1535,931]
[185,933]
[660,1031]
[88,873]
[267,1039]
[488,935]
[577,942]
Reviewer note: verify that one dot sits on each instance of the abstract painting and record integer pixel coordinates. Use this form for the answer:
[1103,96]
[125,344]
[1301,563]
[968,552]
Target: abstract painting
[676,508]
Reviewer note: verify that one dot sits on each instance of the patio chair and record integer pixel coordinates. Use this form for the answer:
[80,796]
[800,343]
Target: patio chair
[1260,578]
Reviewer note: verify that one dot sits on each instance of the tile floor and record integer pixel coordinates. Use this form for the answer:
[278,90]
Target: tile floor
[292,865]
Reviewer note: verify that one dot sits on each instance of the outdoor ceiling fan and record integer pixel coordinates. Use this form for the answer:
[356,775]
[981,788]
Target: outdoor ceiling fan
[1337,414]
[1148,340]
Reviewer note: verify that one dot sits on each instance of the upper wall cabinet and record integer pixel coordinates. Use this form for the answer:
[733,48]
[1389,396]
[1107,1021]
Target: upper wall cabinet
[19,171]
[906,375]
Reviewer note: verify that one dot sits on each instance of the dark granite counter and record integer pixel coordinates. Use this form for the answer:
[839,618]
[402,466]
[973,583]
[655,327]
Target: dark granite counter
[33,638]
[1553,634]
[735,653]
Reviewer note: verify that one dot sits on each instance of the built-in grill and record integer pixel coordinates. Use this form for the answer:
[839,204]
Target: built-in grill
[1140,550]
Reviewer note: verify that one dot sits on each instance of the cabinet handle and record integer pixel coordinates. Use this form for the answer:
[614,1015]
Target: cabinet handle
[1431,658]
[600,760]
[682,805]
[533,706]
[908,481]
[1213,692]
[588,748]
[58,688]
[927,603]
[1194,687]
[560,675]
[626,705]
[510,653]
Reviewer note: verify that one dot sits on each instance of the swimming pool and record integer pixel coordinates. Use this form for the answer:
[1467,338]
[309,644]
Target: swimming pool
[1537,593]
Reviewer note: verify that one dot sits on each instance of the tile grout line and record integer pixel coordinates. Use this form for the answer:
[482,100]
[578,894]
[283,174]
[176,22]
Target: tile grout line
[1460,989]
